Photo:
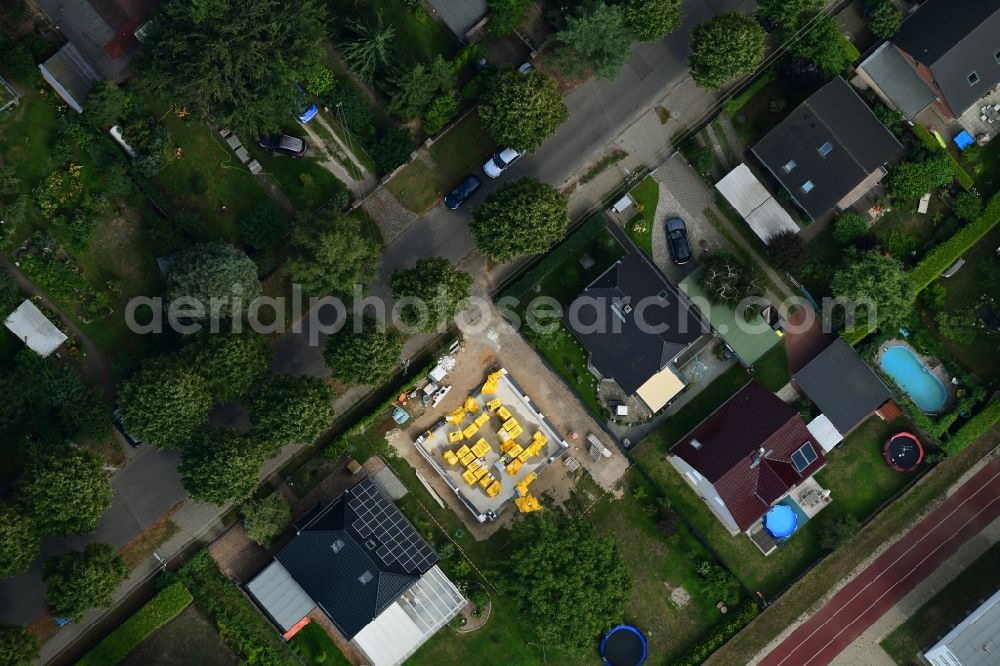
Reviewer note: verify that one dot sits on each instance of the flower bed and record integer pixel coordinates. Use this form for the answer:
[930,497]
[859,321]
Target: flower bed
[59,276]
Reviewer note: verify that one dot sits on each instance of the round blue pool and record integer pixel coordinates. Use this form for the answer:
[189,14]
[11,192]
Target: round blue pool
[914,378]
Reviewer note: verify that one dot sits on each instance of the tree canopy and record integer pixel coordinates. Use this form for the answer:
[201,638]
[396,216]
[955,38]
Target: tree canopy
[230,363]
[870,276]
[595,38]
[214,272]
[727,280]
[724,48]
[787,250]
[883,17]
[19,540]
[649,20]
[330,254]
[848,227]
[18,647]
[911,180]
[291,410]
[441,288]
[266,518]
[232,60]
[506,15]
[787,12]
[412,89]
[522,110]
[365,356]
[79,580]
[221,466]
[64,489]
[520,217]
[577,585]
[822,44]
[165,402]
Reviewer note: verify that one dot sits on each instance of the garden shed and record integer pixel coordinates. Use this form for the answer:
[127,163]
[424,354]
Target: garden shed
[32,327]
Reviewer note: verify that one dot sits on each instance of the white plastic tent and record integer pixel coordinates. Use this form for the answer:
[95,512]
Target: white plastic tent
[34,329]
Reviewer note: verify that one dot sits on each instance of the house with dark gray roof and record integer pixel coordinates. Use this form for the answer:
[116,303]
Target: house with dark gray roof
[635,325]
[946,53]
[842,386]
[101,36]
[748,455]
[830,150]
[363,565]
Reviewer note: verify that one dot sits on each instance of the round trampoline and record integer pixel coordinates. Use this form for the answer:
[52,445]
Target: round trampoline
[624,646]
[903,452]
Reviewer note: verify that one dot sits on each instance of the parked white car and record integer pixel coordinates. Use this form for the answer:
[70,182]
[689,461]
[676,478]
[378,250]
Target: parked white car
[499,162]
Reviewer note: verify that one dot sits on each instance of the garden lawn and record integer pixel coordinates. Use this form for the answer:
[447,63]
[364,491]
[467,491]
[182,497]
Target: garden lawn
[988,171]
[208,179]
[418,36]
[857,477]
[944,610]
[458,152]
[306,182]
[640,227]
[313,645]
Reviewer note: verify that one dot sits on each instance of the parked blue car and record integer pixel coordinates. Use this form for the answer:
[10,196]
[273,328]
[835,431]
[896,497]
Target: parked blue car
[304,109]
[463,191]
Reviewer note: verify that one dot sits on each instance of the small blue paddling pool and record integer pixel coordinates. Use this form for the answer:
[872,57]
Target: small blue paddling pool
[624,646]
[916,380]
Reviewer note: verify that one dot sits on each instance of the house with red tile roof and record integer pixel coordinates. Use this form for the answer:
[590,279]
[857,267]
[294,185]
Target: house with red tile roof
[748,455]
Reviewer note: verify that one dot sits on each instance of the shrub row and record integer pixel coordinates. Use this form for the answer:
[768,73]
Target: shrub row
[944,255]
[587,232]
[931,143]
[704,649]
[974,428]
[339,445]
[161,609]
[237,620]
[734,104]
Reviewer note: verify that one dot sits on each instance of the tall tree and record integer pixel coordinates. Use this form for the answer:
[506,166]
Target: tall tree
[595,38]
[724,48]
[577,585]
[291,410]
[870,276]
[232,60]
[522,110]
[330,254]
[19,540]
[787,250]
[18,647]
[364,356]
[520,217]
[818,39]
[266,518]
[506,15]
[649,20]
[371,48]
[727,280]
[77,581]
[848,227]
[440,288]
[214,273]
[883,17]
[787,12]
[165,403]
[230,363]
[65,490]
[221,466]
[412,89]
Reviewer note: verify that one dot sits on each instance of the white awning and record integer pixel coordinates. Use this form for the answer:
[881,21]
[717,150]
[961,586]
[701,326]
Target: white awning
[660,389]
[755,204]
[280,596]
[822,429]
[34,329]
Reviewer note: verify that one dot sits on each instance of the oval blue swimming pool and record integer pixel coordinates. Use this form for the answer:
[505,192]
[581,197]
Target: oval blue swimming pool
[914,378]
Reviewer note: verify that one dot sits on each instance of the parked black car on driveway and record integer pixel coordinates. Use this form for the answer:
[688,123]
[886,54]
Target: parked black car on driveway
[677,240]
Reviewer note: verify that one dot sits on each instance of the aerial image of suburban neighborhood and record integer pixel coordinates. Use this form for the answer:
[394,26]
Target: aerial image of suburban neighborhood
[500,332]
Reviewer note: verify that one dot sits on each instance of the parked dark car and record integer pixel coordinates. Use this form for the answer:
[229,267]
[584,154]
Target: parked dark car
[282,143]
[677,240]
[116,419]
[463,191]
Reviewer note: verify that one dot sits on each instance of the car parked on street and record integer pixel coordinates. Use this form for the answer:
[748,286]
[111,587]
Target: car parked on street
[497,164]
[282,143]
[304,109]
[469,185]
[677,240]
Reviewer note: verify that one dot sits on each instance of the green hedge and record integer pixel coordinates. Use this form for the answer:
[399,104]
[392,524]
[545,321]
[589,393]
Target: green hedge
[734,104]
[239,623]
[160,610]
[704,649]
[974,428]
[944,255]
[587,232]
[926,138]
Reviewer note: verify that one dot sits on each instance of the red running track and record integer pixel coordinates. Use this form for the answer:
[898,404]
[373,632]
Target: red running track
[907,562]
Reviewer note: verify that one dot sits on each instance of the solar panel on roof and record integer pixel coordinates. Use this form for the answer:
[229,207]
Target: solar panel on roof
[400,542]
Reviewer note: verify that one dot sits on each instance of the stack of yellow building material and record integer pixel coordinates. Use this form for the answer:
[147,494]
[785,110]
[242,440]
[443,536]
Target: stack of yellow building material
[515,432]
[513,467]
[467,458]
[494,404]
[471,405]
[480,473]
[481,448]
[470,430]
[456,416]
[455,436]
[462,451]
[450,457]
[469,476]
[494,489]
[482,420]
[503,413]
